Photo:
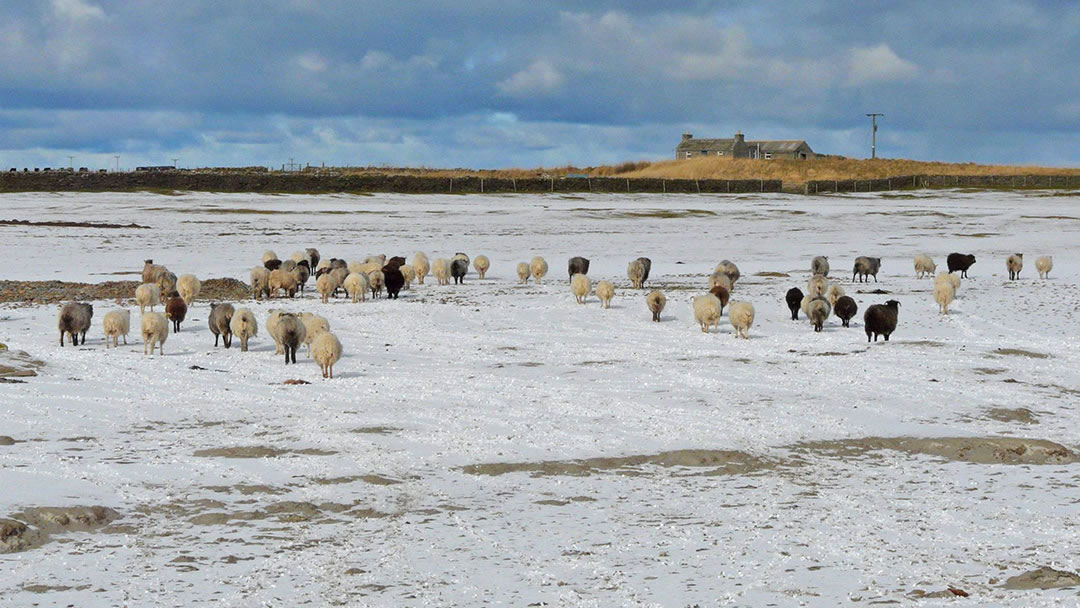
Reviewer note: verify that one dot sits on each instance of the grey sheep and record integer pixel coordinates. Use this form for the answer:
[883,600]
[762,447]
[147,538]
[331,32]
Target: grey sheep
[864,267]
[220,318]
[74,320]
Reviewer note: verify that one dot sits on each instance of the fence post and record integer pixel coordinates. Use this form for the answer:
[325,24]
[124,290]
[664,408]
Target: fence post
[451,185]
[553,184]
[481,185]
[513,180]
[761,186]
[589,179]
[664,183]
[628,184]
[698,184]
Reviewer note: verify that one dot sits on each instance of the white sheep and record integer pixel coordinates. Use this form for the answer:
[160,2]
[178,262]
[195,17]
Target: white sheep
[1044,264]
[834,293]
[635,271]
[741,315]
[817,285]
[356,285]
[313,326]
[580,286]
[441,269]
[272,321]
[1014,265]
[481,264]
[244,326]
[707,311]
[656,300]
[379,260]
[326,350]
[523,272]
[943,295]
[605,290]
[356,267]
[924,266]
[950,278]
[718,278]
[730,269]
[260,282]
[409,274]
[188,286]
[268,255]
[818,311]
[282,280]
[155,329]
[376,282]
[326,285]
[117,323]
[539,267]
[421,265]
[147,294]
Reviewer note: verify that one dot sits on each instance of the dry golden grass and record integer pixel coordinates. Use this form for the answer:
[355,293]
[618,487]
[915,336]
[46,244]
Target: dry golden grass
[797,172]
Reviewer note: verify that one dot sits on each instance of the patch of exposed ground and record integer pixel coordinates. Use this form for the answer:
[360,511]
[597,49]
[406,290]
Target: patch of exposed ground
[779,275]
[18,364]
[1019,352]
[719,462]
[979,450]
[258,451]
[1020,414]
[1042,578]
[33,526]
[288,511]
[62,224]
[51,292]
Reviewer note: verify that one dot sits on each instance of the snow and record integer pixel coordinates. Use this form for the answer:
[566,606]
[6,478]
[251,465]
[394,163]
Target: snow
[494,372]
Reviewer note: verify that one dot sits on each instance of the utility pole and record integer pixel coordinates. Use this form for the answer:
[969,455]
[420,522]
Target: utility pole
[71,162]
[117,157]
[873,144]
[174,162]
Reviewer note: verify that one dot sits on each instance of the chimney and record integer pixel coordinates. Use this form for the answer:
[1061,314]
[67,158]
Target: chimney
[739,139]
[687,135]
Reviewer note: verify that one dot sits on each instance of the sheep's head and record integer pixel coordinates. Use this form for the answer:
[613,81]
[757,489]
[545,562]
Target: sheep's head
[893,304]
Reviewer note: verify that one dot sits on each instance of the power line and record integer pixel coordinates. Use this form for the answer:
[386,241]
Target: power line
[873,144]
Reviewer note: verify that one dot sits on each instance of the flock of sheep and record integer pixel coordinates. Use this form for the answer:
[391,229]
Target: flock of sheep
[274,278]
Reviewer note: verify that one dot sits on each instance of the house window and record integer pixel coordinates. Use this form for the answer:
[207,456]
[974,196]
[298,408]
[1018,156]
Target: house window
[719,153]
[768,156]
[689,154]
[704,152]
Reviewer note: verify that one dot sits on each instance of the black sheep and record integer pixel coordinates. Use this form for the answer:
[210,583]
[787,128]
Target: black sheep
[393,280]
[458,269]
[578,265]
[880,319]
[647,263]
[272,265]
[845,309]
[175,310]
[961,262]
[794,301]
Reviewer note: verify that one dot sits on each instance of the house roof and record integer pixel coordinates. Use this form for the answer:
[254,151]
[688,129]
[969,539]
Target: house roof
[706,144]
[777,145]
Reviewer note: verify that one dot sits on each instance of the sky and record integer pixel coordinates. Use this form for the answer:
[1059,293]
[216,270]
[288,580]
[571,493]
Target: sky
[526,83]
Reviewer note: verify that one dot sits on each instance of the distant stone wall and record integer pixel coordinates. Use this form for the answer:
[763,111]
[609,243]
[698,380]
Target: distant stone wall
[912,182]
[308,183]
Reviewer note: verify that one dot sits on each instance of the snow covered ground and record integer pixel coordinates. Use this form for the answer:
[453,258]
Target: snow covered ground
[642,463]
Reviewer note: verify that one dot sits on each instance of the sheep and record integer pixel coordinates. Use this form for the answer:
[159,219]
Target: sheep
[188,286]
[961,262]
[302,273]
[605,290]
[268,256]
[376,259]
[1044,264]
[421,266]
[943,295]
[730,269]
[458,269]
[817,285]
[116,323]
[290,334]
[74,320]
[356,285]
[707,311]
[322,268]
[721,294]
[298,256]
[656,300]
[866,266]
[340,274]
[313,326]
[396,262]
[580,285]
[1014,265]
[924,266]
[336,263]
[441,269]
[313,257]
[719,278]
[326,349]
[393,280]
[741,316]
[880,319]
[271,328]
[167,284]
[647,263]
[635,271]
[147,294]
[327,285]
[176,311]
[951,279]
[481,264]
[461,256]
[820,265]
[845,308]
[220,317]
[577,265]
[288,265]
[834,293]
[377,280]
[260,282]
[272,265]
[155,330]
[539,268]
[244,326]
[523,272]
[409,274]
[818,311]
[356,267]
[794,298]
[282,280]
[151,271]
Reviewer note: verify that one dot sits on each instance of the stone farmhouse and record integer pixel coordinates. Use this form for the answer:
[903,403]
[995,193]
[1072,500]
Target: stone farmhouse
[738,147]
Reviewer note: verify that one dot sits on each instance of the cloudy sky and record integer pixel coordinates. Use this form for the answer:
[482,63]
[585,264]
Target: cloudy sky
[521,83]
